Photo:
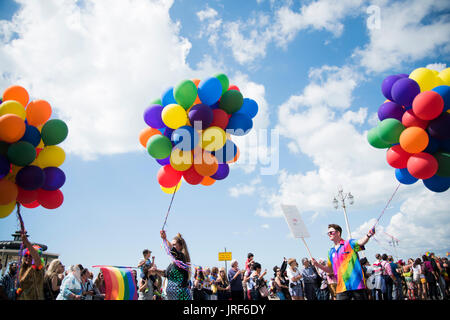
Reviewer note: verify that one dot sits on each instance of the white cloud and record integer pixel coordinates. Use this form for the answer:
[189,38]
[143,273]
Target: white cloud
[100,65]
[208,13]
[436,66]
[409,31]
[245,189]
[265,226]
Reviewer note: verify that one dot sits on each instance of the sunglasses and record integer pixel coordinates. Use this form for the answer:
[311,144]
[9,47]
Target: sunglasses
[330,233]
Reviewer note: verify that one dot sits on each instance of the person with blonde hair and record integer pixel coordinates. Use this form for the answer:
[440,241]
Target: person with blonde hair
[53,279]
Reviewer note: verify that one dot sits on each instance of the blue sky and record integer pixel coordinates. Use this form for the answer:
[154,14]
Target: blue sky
[314,62]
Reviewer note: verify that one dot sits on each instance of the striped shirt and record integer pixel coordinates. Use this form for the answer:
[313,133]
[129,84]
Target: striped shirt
[346,266]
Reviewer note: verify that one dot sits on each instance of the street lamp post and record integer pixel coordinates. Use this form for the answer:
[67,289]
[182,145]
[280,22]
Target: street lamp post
[341,197]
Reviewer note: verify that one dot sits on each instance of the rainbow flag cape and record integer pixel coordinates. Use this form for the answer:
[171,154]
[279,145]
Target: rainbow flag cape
[119,283]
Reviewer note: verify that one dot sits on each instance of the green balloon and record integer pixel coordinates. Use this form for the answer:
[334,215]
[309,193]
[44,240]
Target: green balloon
[224,81]
[159,146]
[231,101]
[157,101]
[375,141]
[389,130]
[54,132]
[443,159]
[185,93]
[21,153]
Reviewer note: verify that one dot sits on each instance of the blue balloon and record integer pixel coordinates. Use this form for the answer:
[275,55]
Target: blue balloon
[433,145]
[167,97]
[240,124]
[249,107]
[215,105]
[32,135]
[185,138]
[403,176]
[222,172]
[226,153]
[164,161]
[54,178]
[437,183]
[444,92]
[30,178]
[5,166]
[210,90]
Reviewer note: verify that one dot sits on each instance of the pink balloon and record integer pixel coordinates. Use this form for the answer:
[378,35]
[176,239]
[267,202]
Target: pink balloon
[422,165]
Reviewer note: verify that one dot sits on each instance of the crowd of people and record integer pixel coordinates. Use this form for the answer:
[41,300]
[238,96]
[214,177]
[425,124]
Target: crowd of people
[425,278]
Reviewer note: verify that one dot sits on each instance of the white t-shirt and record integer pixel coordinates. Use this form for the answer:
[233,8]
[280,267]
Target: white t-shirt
[291,274]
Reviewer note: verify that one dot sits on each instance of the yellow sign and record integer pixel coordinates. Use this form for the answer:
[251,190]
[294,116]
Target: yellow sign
[224,256]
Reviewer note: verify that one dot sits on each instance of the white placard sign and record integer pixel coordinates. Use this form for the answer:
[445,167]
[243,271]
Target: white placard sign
[294,221]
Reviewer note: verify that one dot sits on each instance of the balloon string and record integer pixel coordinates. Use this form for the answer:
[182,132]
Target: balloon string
[22,229]
[387,204]
[170,206]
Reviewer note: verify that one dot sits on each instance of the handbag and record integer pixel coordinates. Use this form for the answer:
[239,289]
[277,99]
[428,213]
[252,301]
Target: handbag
[263,291]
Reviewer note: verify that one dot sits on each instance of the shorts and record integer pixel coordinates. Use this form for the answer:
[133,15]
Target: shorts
[296,291]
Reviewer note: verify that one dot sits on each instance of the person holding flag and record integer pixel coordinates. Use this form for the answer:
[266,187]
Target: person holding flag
[343,261]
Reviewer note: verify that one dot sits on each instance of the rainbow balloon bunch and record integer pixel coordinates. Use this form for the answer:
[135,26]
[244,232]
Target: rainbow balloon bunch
[415,127]
[190,130]
[29,155]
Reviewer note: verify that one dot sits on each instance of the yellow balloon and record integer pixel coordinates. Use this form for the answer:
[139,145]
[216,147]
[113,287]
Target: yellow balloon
[213,138]
[181,160]
[171,190]
[426,78]
[174,116]
[5,210]
[12,107]
[444,75]
[51,156]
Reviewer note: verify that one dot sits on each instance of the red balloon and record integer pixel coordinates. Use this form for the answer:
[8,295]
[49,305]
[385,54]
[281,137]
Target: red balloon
[192,177]
[397,157]
[26,196]
[31,205]
[234,87]
[168,177]
[50,199]
[409,119]
[220,119]
[428,105]
[422,165]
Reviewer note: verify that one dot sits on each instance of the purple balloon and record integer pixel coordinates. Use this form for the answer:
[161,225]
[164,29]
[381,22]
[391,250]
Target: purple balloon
[439,128]
[5,166]
[222,172]
[30,178]
[404,91]
[390,110]
[54,178]
[164,161]
[387,84]
[152,116]
[202,114]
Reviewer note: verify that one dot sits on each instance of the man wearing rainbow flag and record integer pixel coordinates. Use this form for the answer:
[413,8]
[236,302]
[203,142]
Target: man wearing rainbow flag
[343,261]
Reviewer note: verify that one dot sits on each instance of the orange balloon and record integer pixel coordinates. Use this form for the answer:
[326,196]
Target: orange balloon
[8,191]
[17,93]
[205,164]
[414,140]
[12,128]
[207,181]
[146,134]
[38,112]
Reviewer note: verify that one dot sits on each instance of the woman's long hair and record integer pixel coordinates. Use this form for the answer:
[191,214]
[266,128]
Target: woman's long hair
[52,269]
[184,250]
[223,279]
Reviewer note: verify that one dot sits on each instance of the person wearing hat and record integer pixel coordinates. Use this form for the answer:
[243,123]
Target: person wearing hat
[295,282]
[31,274]
[343,261]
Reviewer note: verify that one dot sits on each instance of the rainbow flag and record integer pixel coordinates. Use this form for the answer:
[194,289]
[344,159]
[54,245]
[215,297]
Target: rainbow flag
[119,283]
